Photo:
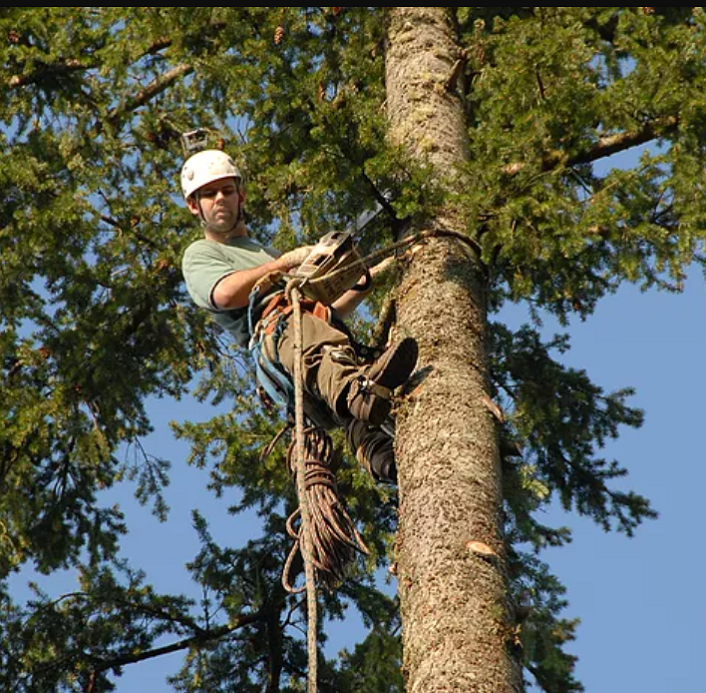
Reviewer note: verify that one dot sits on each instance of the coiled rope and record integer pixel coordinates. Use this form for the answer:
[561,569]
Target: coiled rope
[334,540]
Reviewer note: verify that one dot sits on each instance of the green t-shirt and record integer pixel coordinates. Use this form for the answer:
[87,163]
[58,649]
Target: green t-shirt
[206,262]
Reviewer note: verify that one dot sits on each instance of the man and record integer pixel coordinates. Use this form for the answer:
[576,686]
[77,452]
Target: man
[222,269]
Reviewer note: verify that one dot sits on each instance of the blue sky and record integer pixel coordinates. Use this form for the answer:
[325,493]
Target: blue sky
[641,600]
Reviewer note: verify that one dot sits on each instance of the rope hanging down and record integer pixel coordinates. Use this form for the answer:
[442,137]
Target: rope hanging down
[305,532]
[326,538]
[326,532]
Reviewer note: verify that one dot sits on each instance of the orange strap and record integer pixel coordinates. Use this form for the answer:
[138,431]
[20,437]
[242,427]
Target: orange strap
[279,307]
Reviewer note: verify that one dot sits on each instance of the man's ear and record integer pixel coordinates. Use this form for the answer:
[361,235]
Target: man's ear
[193,205]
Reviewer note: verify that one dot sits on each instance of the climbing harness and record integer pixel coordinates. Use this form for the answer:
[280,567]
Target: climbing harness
[275,382]
[269,373]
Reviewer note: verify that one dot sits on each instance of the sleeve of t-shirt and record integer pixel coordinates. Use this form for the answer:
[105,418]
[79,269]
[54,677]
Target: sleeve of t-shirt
[203,266]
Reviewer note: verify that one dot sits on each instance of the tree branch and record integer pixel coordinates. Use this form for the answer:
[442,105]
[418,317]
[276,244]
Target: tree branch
[201,639]
[72,65]
[59,68]
[605,147]
[154,88]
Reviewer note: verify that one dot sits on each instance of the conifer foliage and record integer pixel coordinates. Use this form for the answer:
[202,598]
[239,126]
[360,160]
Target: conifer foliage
[491,123]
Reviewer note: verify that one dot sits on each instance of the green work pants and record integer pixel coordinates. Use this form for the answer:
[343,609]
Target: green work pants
[329,362]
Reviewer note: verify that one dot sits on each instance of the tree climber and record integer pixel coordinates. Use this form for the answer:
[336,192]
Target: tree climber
[222,269]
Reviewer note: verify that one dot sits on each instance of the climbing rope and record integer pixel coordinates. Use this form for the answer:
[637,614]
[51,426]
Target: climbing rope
[304,535]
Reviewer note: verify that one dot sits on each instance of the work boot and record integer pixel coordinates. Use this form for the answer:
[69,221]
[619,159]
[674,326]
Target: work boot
[369,397]
[374,449]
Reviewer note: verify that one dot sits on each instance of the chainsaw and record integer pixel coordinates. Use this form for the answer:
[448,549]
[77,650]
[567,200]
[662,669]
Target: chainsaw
[332,268]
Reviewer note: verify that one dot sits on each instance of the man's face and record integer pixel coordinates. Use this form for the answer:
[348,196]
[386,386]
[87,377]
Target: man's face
[220,203]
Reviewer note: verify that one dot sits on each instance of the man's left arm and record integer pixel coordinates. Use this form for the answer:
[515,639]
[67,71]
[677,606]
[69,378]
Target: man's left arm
[344,305]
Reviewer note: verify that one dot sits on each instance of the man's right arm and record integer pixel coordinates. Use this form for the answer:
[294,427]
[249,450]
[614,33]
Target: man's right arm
[233,291]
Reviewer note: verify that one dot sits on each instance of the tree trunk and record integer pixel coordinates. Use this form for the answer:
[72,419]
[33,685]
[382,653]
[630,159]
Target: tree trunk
[450,553]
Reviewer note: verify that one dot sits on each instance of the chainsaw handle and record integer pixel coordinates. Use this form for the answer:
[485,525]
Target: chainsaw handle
[365,283]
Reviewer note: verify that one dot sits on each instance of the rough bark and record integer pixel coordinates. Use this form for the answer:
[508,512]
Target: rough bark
[450,554]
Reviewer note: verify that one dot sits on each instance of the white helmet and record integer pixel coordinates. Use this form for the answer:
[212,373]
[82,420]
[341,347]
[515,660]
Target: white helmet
[205,167]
